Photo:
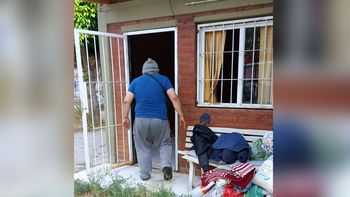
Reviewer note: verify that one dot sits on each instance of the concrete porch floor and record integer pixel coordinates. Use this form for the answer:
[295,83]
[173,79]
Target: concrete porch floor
[179,183]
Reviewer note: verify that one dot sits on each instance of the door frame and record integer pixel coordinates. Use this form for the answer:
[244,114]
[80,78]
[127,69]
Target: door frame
[160,30]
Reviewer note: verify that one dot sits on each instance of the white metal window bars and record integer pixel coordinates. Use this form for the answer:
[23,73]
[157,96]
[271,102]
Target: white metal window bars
[242,26]
[108,124]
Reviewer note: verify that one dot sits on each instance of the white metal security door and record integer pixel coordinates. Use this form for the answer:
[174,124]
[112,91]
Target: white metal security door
[102,65]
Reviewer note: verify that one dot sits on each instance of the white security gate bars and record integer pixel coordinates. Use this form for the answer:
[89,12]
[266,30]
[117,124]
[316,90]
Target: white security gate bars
[245,77]
[102,83]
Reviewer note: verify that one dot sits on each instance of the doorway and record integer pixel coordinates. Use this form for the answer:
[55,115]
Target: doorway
[160,46]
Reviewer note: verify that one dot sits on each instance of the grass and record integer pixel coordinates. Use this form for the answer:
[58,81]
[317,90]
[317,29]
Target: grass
[119,187]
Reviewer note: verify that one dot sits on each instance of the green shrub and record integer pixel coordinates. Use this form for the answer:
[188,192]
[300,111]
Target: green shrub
[81,188]
[119,187]
[162,192]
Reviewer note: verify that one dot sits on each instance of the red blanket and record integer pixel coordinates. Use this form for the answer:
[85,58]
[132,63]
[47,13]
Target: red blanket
[240,175]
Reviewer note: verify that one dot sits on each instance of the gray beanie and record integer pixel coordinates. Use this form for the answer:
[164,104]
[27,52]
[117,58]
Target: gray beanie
[150,66]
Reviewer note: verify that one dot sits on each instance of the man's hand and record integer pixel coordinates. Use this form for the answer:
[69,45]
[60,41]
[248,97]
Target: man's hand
[182,122]
[177,105]
[126,105]
[126,123]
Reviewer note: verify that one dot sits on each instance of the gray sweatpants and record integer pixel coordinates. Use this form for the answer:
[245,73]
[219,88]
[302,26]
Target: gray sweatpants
[149,134]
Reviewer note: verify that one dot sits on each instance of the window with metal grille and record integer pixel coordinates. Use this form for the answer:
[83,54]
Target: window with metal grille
[235,63]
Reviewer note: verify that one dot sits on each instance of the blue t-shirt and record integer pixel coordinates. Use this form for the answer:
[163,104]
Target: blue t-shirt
[149,95]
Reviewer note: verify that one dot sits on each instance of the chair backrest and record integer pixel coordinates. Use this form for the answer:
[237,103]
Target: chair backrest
[250,135]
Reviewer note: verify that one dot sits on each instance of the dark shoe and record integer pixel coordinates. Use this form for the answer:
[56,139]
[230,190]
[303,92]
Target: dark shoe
[168,173]
[145,178]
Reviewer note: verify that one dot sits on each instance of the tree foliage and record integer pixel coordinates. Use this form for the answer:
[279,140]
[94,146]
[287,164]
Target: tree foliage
[85,16]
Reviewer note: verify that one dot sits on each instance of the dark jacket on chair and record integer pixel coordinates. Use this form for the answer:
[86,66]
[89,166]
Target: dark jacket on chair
[229,148]
[202,139]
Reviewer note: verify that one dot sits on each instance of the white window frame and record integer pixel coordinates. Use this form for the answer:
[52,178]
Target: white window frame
[221,26]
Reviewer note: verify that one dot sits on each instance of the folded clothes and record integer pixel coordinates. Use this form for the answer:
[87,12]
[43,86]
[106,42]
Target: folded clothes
[244,173]
[240,175]
[228,156]
[232,141]
[229,148]
[243,190]
[215,174]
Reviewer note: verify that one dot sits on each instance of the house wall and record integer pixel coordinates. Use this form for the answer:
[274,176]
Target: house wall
[187,46]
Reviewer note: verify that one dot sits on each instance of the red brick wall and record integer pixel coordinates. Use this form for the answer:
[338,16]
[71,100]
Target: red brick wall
[187,44]
[120,91]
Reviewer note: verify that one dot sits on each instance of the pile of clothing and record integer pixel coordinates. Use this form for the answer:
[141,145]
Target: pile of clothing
[243,179]
[229,148]
[226,149]
[203,138]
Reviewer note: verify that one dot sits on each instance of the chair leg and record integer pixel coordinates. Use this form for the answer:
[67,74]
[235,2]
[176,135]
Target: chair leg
[191,175]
